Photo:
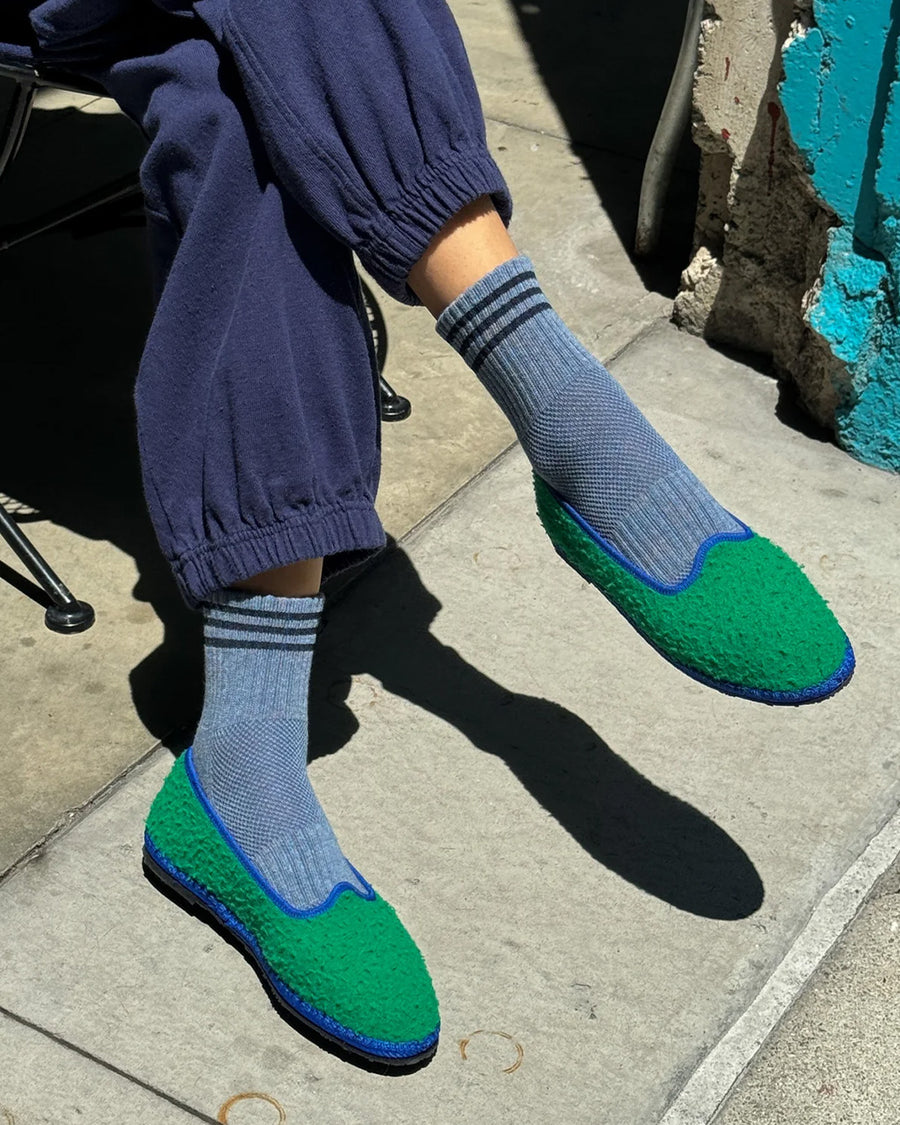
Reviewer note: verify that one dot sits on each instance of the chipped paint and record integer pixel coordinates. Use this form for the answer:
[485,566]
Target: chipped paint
[840,96]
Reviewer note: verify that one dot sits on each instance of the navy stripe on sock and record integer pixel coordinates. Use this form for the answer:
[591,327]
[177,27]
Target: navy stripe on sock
[212,610]
[505,331]
[495,315]
[234,642]
[466,319]
[278,630]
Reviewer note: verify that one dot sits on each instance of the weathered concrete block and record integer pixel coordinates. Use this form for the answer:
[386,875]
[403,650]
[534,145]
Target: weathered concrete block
[760,232]
[797,242]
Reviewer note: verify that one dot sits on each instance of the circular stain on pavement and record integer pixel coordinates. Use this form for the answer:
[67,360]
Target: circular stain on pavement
[226,1107]
[520,1051]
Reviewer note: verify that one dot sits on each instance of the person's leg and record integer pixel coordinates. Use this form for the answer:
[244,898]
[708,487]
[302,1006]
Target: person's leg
[257,410]
[466,249]
[370,117]
[258,426]
[580,431]
[297,580]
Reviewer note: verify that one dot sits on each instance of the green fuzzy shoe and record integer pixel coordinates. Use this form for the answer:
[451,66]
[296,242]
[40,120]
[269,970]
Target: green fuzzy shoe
[746,620]
[347,969]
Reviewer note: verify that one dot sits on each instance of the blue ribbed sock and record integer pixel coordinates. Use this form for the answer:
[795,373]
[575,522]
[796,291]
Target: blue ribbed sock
[580,430]
[250,748]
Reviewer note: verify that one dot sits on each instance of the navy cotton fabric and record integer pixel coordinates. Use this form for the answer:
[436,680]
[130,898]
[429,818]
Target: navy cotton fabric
[282,136]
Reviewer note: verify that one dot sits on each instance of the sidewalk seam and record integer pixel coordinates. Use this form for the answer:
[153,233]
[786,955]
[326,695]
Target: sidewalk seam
[711,1083]
[111,1067]
[73,816]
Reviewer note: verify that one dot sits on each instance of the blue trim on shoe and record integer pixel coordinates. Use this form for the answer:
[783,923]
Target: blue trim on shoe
[263,884]
[377,1048]
[648,580]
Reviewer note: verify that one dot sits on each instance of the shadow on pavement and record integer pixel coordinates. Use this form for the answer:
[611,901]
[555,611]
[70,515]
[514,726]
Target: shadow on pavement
[381,626]
[75,314]
[607,67]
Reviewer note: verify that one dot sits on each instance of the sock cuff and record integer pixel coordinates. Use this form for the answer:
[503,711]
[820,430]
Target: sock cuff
[505,329]
[239,619]
[476,302]
[229,597]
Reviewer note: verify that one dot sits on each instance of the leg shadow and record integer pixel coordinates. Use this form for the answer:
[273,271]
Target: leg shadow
[654,840]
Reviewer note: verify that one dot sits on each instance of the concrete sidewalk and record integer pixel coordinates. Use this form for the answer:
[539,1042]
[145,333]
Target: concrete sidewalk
[833,1059]
[610,868]
[602,859]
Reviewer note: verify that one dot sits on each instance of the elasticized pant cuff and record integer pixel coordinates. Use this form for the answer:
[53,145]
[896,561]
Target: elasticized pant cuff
[403,232]
[344,536]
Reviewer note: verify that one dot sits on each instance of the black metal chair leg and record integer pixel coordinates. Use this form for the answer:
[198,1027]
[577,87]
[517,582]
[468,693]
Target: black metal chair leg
[394,407]
[16,122]
[66,614]
[127,189]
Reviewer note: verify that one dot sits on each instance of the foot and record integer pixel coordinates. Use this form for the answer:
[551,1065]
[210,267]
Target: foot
[347,969]
[238,831]
[624,510]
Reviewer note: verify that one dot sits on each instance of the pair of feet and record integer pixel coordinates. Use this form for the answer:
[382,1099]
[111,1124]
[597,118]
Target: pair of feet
[237,828]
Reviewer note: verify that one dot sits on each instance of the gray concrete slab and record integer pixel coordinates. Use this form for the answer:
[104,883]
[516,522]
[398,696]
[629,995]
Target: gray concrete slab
[597,74]
[833,1059]
[722,1067]
[45,1082]
[600,857]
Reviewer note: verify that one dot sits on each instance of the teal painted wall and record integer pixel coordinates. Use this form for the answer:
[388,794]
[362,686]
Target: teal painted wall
[841,95]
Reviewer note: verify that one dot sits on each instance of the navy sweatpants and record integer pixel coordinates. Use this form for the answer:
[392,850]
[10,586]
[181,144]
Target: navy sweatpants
[284,134]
